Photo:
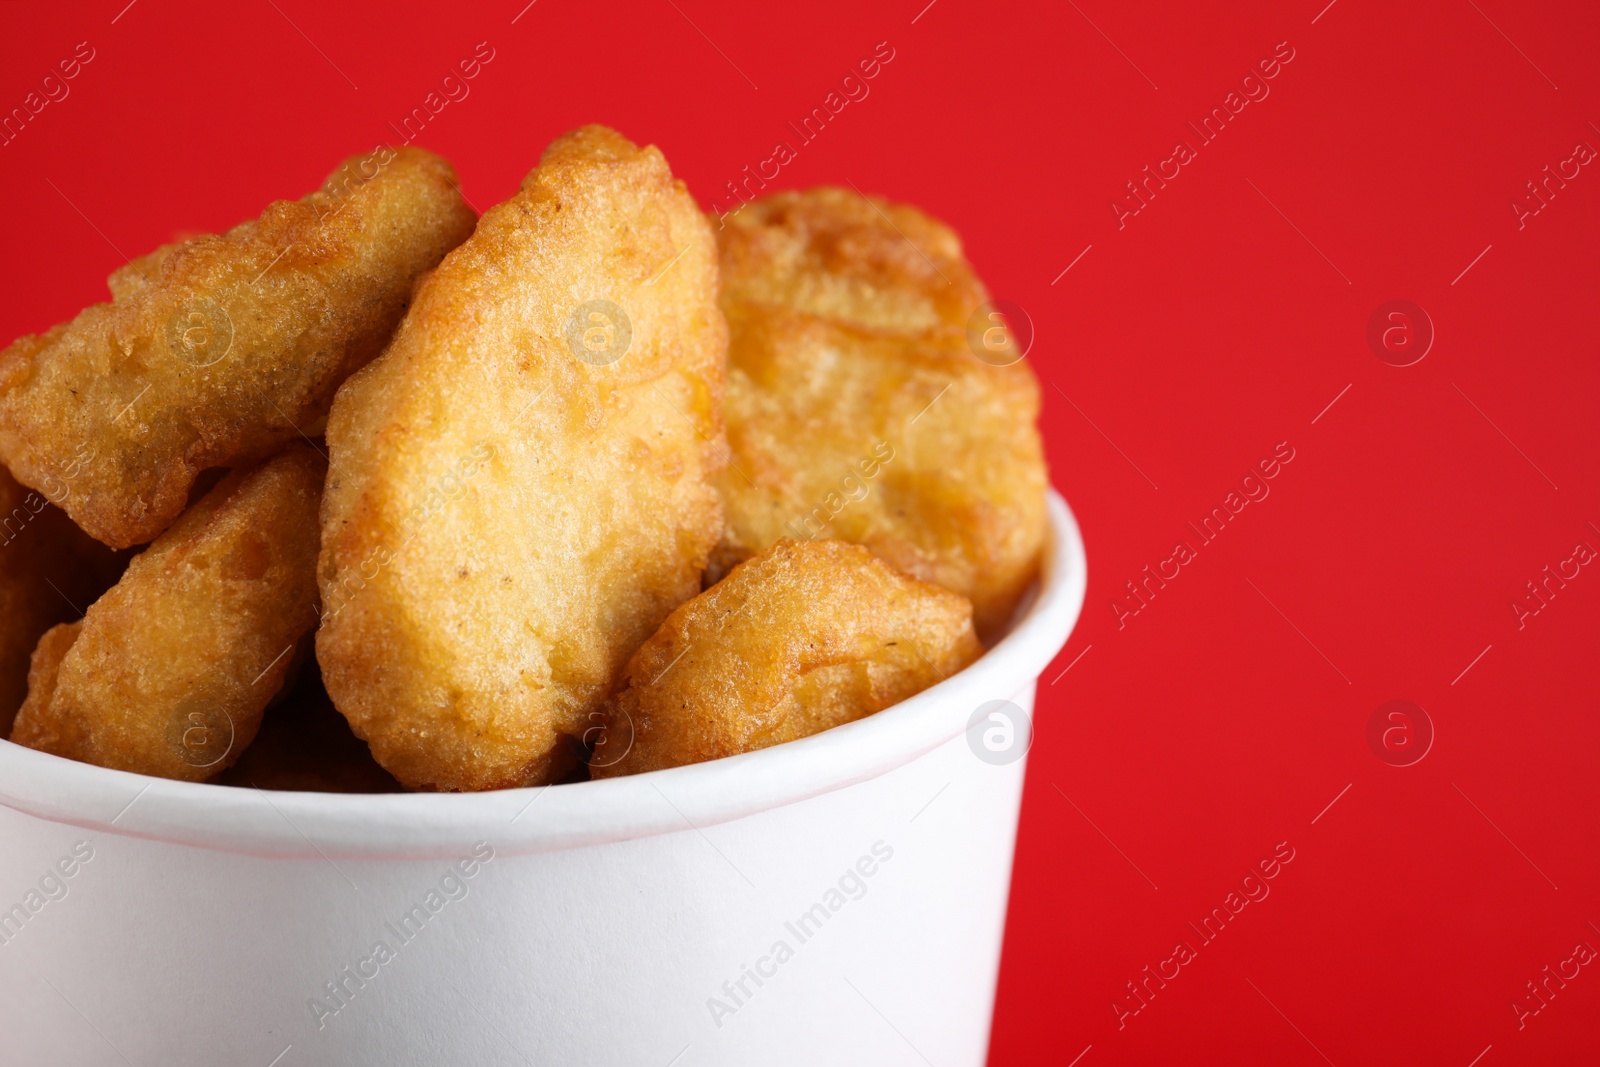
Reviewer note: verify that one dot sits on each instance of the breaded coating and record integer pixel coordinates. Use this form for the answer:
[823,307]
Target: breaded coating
[305,744]
[858,409]
[519,488]
[49,572]
[216,351]
[801,638]
[168,672]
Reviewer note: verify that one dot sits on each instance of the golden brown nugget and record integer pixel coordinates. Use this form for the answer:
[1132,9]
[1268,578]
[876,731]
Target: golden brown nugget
[304,744]
[519,487]
[215,351]
[806,636]
[858,409]
[169,671]
[49,572]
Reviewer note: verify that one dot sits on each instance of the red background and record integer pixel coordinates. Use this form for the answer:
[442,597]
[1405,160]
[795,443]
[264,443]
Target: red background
[1221,320]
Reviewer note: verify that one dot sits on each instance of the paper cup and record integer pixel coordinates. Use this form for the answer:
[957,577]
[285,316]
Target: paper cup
[838,899]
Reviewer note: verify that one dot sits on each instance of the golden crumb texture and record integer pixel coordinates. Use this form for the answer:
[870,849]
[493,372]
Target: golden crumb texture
[803,637]
[858,407]
[519,490]
[49,572]
[217,350]
[169,672]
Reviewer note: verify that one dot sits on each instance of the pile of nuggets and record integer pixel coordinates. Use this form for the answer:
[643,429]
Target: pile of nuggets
[370,493]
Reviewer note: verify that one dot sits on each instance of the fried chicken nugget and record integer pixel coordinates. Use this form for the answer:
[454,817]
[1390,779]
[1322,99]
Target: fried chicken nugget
[169,671]
[519,487]
[49,571]
[857,409]
[805,636]
[215,350]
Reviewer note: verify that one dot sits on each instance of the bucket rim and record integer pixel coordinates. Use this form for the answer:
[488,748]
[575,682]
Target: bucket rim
[545,818]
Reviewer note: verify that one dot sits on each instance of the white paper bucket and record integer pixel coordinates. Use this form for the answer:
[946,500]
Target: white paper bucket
[838,899]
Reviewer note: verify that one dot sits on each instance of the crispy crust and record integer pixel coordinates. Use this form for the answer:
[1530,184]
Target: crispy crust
[49,572]
[848,319]
[170,670]
[215,350]
[505,521]
[806,636]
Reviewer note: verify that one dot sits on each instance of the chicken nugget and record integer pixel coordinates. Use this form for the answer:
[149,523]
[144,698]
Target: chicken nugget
[858,409]
[217,350]
[305,744]
[49,572]
[169,671]
[519,489]
[805,636]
